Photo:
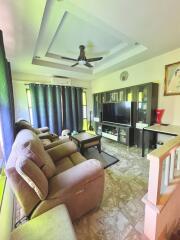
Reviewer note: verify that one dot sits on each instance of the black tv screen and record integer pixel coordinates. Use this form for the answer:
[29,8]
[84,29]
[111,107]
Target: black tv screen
[119,113]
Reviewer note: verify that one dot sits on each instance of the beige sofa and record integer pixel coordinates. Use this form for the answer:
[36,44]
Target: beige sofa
[43,179]
[54,224]
[48,139]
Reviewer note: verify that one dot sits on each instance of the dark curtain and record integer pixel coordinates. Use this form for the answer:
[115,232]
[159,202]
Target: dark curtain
[7,116]
[46,106]
[72,108]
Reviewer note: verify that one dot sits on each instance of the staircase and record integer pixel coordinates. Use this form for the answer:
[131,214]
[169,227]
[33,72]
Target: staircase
[162,202]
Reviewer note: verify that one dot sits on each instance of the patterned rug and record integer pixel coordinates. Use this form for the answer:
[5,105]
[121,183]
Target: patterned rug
[121,213]
[106,159]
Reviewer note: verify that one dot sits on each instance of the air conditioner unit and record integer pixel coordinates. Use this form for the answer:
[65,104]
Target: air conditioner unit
[60,80]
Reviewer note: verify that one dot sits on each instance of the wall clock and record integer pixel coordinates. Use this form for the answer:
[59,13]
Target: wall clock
[124,76]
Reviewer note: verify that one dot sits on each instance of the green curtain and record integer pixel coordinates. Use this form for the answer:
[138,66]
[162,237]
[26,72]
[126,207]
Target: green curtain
[72,108]
[7,116]
[46,106]
[57,107]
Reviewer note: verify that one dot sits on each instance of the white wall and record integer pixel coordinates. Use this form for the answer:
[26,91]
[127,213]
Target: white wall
[152,70]
[20,98]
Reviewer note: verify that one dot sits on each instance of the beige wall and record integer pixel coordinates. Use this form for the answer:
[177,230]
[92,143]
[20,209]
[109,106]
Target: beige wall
[20,98]
[147,71]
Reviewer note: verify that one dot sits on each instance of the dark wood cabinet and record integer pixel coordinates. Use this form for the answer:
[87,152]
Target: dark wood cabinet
[119,133]
[97,104]
[146,98]
[147,102]
[126,135]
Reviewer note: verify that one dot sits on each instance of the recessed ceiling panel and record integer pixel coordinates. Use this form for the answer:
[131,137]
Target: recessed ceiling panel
[65,27]
[74,31]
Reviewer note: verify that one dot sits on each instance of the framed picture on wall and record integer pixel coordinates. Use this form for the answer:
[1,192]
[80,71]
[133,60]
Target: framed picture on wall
[172,79]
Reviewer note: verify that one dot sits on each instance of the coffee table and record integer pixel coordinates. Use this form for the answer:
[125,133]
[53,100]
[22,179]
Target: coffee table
[86,140]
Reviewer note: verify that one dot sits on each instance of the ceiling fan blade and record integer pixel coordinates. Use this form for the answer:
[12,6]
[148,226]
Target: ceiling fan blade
[75,64]
[94,59]
[88,65]
[67,58]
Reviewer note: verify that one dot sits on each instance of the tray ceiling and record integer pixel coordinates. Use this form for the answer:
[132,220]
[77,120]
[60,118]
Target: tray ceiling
[70,27]
[38,33]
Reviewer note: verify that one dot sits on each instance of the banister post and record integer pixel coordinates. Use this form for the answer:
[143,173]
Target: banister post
[155,178]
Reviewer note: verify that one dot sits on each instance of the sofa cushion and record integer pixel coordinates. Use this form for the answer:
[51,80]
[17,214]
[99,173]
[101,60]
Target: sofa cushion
[25,195]
[63,150]
[77,158]
[29,145]
[33,175]
[63,164]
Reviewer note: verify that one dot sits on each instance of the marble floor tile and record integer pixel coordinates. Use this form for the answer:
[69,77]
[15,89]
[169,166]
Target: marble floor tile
[121,214]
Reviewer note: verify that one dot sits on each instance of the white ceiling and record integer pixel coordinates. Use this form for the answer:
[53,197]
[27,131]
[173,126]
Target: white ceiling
[40,32]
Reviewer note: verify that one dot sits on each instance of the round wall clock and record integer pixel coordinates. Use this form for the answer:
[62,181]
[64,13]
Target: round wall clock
[124,76]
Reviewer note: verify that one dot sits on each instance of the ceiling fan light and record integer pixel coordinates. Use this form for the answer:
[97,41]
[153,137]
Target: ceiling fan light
[82,62]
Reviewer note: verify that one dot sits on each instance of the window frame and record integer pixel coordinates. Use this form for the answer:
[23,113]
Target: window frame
[85,105]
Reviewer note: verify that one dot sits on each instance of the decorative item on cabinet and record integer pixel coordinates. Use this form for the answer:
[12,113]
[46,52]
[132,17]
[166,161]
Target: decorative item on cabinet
[159,115]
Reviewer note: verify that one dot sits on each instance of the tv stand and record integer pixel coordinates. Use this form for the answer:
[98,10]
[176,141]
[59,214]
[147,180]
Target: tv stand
[119,133]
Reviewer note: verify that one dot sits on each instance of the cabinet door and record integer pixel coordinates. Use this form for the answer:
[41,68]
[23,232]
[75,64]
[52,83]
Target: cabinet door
[122,95]
[108,97]
[143,98]
[114,96]
[103,97]
[130,94]
[97,105]
[123,135]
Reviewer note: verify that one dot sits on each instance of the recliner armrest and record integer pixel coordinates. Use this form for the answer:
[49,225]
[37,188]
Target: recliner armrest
[80,188]
[75,177]
[62,150]
[48,135]
[43,129]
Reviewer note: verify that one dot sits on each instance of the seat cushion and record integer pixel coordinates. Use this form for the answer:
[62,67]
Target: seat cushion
[77,158]
[63,164]
[33,175]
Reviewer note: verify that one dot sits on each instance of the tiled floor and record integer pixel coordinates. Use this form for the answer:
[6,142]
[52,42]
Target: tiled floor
[121,213]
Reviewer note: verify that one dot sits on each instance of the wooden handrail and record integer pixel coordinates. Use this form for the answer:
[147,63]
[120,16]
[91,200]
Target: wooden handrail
[167,153]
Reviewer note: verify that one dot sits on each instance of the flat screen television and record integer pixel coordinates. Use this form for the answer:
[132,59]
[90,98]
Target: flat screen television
[119,113]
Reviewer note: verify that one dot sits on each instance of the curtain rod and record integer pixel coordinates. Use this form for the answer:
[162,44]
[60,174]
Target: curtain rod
[27,84]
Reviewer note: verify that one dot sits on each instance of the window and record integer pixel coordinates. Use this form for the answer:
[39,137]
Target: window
[85,122]
[28,93]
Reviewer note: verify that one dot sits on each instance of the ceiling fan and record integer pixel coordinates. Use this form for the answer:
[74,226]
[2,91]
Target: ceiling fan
[82,60]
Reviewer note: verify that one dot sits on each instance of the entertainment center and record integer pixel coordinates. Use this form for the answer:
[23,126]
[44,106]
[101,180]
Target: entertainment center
[121,114]
[118,133]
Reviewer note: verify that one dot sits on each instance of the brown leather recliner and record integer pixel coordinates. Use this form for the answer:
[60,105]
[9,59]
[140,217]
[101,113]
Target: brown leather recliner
[43,179]
[48,139]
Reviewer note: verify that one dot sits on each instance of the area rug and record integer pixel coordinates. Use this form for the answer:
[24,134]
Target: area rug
[106,159]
